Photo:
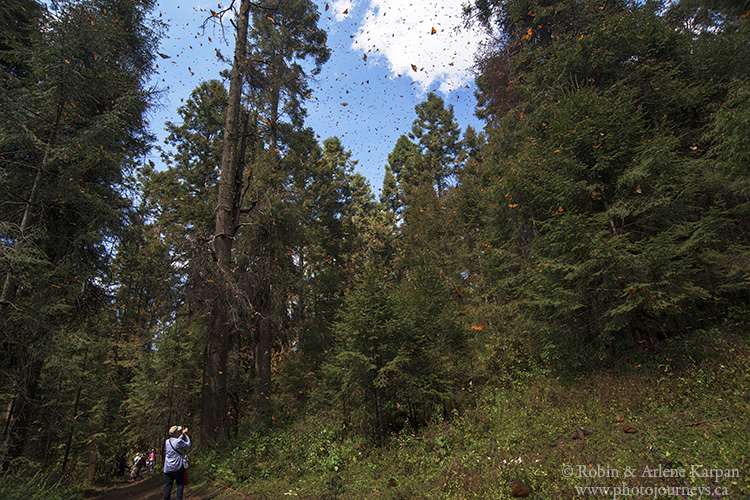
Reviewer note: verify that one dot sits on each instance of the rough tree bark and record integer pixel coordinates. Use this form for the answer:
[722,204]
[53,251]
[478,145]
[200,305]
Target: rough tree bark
[215,424]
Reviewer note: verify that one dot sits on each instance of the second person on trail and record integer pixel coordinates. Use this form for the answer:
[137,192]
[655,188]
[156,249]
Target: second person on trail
[135,471]
[175,461]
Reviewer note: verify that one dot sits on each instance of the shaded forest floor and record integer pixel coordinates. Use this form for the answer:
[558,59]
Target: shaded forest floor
[152,488]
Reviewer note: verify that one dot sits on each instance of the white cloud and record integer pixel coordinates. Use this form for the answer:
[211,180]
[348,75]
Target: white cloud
[340,6]
[428,34]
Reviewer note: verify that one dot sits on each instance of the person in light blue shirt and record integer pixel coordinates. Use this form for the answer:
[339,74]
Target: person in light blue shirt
[175,448]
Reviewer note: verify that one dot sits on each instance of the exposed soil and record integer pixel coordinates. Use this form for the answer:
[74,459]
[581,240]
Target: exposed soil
[152,488]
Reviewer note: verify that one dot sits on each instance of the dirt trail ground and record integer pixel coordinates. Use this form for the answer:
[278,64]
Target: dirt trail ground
[152,488]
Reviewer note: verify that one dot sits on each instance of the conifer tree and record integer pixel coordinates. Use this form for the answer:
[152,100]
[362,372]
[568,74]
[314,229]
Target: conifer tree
[176,197]
[389,191]
[397,349]
[282,37]
[214,397]
[336,202]
[437,134]
[404,168]
[71,129]
[18,22]
[164,268]
[427,156]
[599,171]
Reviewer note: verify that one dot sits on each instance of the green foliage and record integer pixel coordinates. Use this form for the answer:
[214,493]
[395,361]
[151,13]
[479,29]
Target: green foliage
[282,40]
[192,172]
[71,132]
[81,403]
[306,447]
[583,261]
[687,404]
[335,201]
[609,219]
[164,390]
[179,202]
[72,101]
[19,17]
[28,480]
[429,161]
[437,135]
[396,350]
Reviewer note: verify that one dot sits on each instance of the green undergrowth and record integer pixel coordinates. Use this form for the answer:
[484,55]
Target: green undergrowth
[689,406]
[26,480]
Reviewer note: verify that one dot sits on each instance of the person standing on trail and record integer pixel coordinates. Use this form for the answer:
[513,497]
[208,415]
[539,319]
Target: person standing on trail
[175,461]
[135,471]
[109,466]
[122,464]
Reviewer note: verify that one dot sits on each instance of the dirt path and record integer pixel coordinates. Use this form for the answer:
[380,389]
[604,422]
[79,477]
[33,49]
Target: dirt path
[152,488]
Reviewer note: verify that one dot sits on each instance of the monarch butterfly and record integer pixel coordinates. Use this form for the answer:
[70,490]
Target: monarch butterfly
[518,489]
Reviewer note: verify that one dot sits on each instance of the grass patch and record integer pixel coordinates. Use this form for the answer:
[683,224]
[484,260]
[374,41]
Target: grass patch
[688,405]
[27,480]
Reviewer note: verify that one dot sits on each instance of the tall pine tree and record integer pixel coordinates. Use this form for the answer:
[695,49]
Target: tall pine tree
[73,101]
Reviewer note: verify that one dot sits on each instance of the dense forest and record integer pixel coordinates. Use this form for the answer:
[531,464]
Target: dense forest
[257,289]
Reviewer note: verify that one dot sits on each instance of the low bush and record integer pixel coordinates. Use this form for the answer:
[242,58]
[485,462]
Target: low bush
[687,409]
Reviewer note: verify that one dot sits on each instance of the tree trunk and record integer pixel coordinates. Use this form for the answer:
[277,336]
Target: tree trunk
[19,415]
[214,397]
[70,432]
[379,417]
[75,415]
[274,121]
[265,337]
[8,293]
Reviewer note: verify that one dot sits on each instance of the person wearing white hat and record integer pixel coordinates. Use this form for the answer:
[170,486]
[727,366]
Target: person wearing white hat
[175,460]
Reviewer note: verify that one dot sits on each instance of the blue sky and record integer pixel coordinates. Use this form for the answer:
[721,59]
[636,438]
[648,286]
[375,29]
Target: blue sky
[368,102]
